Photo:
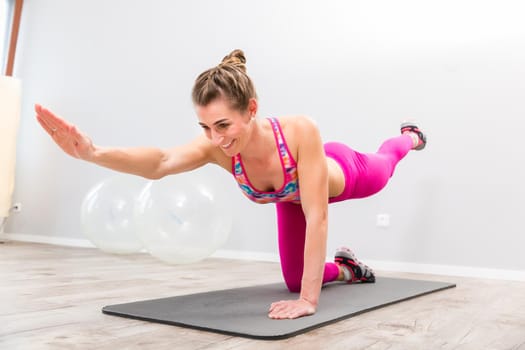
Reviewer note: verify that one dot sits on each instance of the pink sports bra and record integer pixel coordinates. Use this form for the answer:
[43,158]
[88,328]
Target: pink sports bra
[289,192]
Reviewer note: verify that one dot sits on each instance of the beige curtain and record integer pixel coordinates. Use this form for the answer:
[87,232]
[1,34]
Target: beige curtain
[10,105]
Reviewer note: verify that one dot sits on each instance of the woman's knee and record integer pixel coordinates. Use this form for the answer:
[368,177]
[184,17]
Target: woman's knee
[293,286]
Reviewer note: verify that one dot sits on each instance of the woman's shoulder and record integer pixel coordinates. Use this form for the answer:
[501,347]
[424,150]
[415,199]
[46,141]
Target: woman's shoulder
[298,130]
[294,124]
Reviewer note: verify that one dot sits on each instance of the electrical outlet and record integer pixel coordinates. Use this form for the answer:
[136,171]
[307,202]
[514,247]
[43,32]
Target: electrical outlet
[383,220]
[17,207]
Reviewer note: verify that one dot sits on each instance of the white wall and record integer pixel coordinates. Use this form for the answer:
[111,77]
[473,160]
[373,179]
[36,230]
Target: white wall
[123,71]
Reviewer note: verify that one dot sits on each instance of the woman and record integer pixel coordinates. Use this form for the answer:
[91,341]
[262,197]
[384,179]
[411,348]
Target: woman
[279,160]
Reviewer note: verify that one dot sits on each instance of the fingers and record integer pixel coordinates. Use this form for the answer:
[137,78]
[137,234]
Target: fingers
[67,136]
[50,121]
[44,125]
[290,309]
[283,311]
[279,312]
[276,307]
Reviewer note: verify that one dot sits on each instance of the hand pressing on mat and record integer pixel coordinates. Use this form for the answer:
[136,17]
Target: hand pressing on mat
[65,135]
[289,309]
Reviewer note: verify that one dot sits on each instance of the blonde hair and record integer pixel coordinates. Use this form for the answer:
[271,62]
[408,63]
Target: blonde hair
[227,80]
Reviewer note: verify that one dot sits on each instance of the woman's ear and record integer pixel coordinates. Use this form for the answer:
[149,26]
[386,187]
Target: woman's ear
[252,107]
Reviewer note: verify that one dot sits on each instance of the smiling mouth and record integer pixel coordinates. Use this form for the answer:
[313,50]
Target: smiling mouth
[228,145]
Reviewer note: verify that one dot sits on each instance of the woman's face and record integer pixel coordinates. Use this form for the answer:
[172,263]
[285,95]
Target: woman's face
[229,129]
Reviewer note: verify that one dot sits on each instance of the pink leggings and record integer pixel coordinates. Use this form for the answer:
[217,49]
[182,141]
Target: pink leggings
[365,175]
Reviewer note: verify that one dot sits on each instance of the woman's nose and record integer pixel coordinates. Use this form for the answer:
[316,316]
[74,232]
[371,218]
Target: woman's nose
[216,138]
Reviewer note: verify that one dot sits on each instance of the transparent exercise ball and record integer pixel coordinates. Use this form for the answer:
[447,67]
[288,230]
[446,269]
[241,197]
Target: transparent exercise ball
[107,214]
[181,219]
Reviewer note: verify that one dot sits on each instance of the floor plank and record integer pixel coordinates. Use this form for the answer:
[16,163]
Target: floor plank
[51,298]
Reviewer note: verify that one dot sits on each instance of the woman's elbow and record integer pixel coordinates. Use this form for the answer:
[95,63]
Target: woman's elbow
[154,174]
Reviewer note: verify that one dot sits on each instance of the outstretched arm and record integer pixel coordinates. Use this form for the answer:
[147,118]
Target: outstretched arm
[148,162]
[313,179]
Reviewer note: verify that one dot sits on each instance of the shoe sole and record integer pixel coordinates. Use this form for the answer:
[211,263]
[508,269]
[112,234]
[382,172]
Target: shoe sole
[348,254]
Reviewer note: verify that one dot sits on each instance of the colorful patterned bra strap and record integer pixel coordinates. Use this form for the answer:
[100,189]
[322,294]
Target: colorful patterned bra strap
[289,192]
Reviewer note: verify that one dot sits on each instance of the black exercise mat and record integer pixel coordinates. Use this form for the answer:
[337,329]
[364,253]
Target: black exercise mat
[243,311]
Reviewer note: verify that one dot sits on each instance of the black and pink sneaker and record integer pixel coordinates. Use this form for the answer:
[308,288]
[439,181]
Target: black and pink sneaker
[353,269]
[411,127]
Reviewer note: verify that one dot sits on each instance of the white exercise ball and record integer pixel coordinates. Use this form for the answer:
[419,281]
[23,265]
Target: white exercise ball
[107,214]
[182,219]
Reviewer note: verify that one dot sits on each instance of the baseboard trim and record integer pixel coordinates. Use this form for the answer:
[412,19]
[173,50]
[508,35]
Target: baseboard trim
[394,266]
[244,255]
[448,270]
[62,241]
[379,265]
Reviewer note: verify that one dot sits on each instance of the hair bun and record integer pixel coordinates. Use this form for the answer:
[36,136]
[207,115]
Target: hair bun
[236,59]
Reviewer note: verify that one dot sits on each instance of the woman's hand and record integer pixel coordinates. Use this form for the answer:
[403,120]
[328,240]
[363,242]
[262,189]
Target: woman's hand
[289,309]
[65,135]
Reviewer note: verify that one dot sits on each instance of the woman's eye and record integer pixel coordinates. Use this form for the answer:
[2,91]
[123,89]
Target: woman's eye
[222,126]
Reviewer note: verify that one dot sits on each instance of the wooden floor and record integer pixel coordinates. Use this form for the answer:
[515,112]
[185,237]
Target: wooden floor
[51,297]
